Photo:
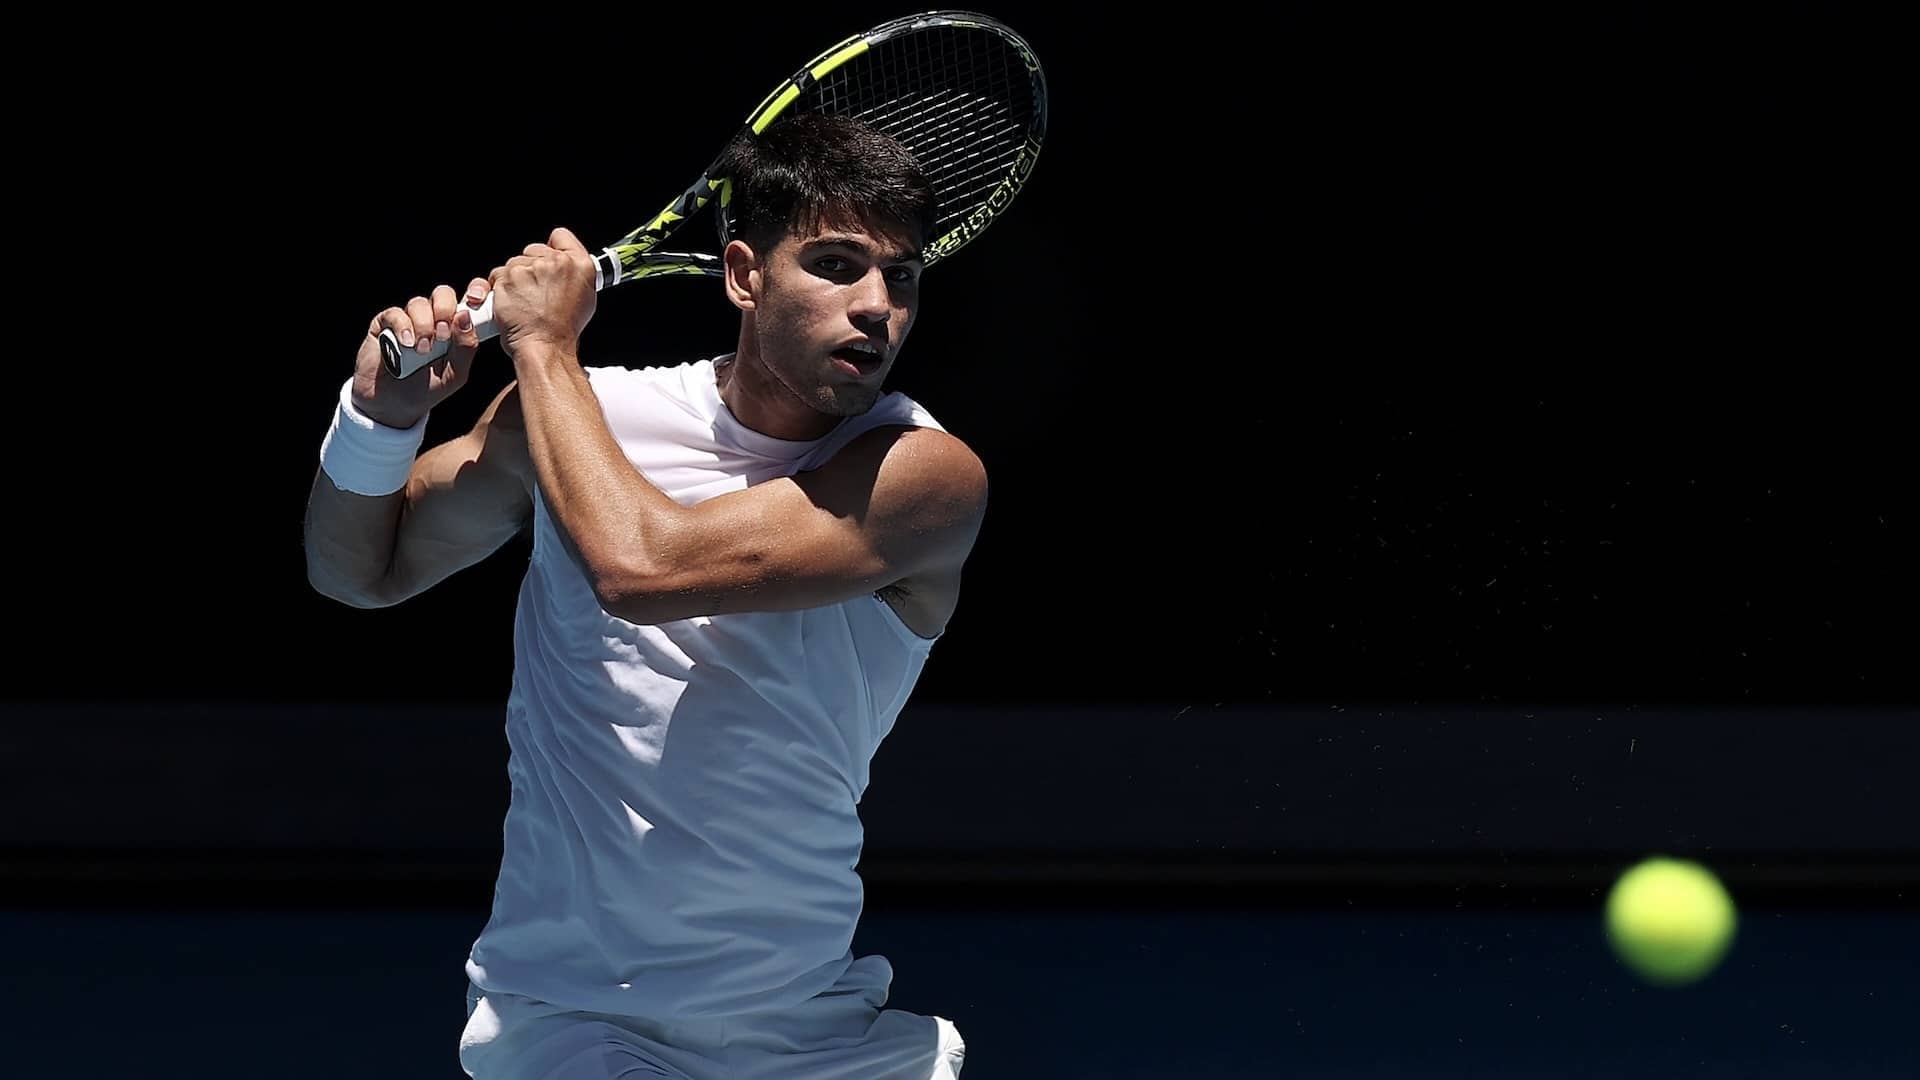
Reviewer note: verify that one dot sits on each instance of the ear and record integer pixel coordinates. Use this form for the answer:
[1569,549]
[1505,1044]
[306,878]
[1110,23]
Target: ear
[742,265]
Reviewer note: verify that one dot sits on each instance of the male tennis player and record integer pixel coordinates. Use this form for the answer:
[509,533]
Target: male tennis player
[739,566]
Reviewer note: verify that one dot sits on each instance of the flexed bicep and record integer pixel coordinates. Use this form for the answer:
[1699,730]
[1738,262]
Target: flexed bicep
[895,504]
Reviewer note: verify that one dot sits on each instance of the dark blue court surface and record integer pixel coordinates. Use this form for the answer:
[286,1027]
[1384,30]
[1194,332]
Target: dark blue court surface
[1056,993]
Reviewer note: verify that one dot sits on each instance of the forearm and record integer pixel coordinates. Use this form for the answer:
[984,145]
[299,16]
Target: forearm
[612,514]
[461,500]
[350,541]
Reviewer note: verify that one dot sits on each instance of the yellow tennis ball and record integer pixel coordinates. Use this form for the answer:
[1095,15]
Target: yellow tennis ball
[1670,920]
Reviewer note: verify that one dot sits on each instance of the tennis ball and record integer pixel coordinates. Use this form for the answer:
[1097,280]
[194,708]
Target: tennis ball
[1670,921]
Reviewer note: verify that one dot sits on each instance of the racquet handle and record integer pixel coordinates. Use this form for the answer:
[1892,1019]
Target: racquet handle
[401,361]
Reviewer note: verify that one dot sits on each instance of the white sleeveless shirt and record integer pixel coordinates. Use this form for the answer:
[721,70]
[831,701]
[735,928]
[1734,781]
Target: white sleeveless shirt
[682,832]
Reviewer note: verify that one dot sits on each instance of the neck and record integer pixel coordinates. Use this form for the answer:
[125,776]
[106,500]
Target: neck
[762,402]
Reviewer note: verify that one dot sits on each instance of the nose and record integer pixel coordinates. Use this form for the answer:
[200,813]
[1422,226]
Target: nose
[870,300]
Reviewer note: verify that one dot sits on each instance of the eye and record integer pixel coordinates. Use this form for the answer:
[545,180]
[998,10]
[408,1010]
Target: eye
[831,264]
[902,275]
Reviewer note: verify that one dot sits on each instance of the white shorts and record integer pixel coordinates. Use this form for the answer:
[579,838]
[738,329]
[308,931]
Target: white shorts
[841,1034]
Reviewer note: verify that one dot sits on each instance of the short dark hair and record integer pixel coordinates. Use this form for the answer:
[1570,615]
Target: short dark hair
[808,168]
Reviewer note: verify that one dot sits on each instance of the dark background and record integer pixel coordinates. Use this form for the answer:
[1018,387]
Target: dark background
[1344,355]
[1438,458]
[1511,380]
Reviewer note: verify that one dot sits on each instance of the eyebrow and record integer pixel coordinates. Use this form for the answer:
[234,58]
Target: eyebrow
[857,244]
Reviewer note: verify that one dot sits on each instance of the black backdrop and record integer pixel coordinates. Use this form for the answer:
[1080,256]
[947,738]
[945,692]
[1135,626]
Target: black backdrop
[1412,357]
[1398,356]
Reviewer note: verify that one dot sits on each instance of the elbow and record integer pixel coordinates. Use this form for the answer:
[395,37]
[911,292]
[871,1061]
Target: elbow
[362,599]
[636,592]
[633,607]
[621,591]
[334,587]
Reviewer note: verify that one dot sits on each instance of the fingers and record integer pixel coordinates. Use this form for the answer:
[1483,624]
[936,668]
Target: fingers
[396,320]
[446,303]
[464,336]
[427,319]
[477,291]
[420,316]
[464,341]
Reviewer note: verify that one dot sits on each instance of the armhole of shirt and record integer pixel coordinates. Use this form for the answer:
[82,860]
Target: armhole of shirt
[908,636]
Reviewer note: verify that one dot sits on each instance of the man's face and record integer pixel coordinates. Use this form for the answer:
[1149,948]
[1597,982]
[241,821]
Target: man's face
[837,299]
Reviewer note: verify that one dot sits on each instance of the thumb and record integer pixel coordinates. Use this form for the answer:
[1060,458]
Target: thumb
[465,338]
[564,240]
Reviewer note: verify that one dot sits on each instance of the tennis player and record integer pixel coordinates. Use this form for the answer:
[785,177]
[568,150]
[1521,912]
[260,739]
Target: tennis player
[739,566]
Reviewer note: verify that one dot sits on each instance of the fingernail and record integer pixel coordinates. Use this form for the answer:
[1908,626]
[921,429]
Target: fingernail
[474,298]
[441,330]
[462,321]
[406,335]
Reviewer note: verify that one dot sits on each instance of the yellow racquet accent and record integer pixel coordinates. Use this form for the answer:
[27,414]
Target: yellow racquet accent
[821,70]
[961,92]
[777,102]
[786,98]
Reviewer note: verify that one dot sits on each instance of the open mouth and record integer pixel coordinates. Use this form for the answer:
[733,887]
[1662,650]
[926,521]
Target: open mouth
[858,359]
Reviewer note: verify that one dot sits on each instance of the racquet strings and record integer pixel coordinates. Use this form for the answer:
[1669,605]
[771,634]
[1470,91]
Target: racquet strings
[959,100]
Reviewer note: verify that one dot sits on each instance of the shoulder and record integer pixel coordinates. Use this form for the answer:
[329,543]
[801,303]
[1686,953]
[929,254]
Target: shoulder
[925,468]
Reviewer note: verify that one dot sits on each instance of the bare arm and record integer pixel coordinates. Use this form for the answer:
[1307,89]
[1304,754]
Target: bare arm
[896,508]
[463,500]
[895,505]
[455,503]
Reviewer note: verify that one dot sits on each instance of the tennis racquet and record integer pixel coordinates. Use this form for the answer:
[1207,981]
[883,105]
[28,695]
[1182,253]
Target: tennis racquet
[962,92]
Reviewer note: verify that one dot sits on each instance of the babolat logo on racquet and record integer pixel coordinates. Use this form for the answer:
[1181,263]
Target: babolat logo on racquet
[982,215]
[961,91]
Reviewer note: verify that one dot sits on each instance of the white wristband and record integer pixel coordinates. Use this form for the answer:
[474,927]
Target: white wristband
[364,456]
